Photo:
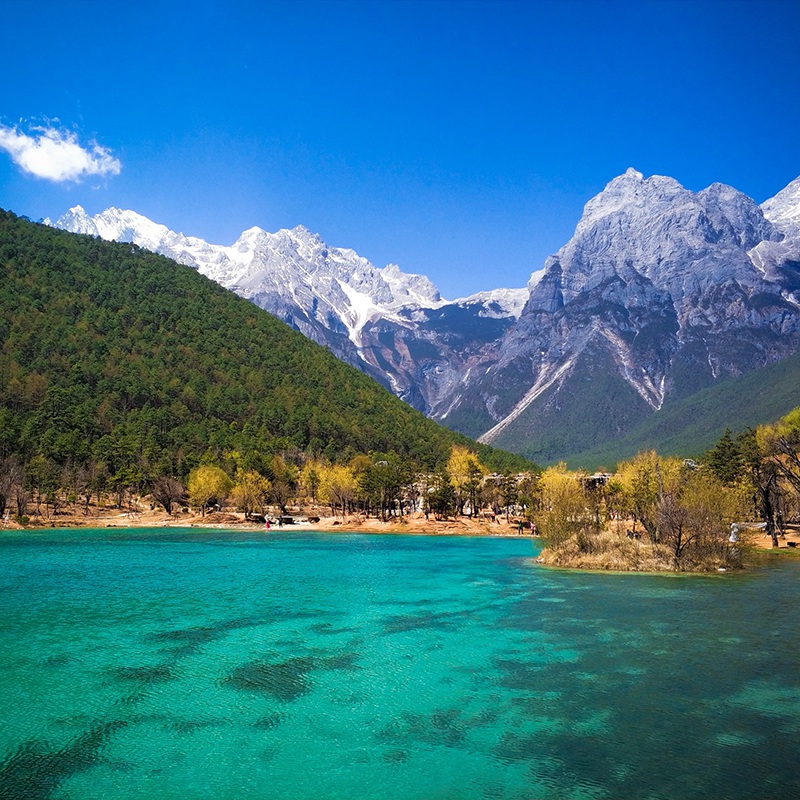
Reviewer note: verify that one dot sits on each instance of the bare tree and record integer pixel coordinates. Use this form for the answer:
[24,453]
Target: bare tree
[11,478]
[168,491]
[693,519]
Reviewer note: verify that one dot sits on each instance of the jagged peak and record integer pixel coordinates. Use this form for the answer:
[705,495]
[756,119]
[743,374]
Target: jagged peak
[77,212]
[718,189]
[631,189]
[303,234]
[783,210]
[631,175]
[393,272]
[633,182]
[252,231]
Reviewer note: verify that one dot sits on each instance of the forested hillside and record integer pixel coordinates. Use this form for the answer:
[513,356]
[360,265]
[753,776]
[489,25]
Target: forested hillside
[120,359]
[690,426]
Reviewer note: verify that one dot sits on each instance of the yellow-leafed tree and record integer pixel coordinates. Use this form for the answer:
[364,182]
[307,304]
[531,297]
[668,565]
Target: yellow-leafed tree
[207,484]
[337,486]
[563,505]
[643,482]
[466,473]
[250,491]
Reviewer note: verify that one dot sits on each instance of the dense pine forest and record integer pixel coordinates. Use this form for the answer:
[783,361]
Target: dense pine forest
[126,365]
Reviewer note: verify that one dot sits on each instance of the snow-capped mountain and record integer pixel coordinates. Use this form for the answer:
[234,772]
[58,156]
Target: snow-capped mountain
[393,325]
[325,281]
[660,292]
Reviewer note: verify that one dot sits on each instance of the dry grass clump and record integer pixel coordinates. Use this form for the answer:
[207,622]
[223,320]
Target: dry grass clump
[614,550]
[608,550]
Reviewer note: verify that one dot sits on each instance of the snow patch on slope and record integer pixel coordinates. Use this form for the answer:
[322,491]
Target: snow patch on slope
[497,303]
[783,210]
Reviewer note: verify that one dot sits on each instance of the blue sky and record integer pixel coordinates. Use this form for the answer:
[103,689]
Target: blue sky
[457,139]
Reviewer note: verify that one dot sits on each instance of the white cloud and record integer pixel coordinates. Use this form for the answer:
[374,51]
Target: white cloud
[56,155]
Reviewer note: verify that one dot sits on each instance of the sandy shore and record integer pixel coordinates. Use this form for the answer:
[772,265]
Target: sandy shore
[414,524]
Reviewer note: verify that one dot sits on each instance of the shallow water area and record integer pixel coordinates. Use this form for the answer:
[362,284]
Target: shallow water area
[213,664]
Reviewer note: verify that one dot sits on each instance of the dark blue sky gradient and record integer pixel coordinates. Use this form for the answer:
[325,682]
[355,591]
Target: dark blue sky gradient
[457,139]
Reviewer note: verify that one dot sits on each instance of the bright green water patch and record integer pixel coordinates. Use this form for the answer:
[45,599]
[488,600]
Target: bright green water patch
[196,664]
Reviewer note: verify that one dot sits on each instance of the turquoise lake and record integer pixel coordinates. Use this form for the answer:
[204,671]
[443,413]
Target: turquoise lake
[206,664]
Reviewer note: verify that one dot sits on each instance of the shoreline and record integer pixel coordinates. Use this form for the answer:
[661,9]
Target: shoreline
[413,525]
[408,525]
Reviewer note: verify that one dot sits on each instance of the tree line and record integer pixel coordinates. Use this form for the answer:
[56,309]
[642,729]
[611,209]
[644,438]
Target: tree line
[675,513]
[384,485]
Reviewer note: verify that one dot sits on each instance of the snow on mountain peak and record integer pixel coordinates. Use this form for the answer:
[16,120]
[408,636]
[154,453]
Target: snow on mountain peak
[654,229]
[292,264]
[411,289]
[497,303]
[783,210]
[630,175]
[301,232]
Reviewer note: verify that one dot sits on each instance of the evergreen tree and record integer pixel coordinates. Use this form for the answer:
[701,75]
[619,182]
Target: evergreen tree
[725,459]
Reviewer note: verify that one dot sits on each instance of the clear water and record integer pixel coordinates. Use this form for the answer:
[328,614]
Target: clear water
[192,664]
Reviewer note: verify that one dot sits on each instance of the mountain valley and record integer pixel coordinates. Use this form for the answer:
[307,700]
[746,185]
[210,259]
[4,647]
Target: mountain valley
[661,293]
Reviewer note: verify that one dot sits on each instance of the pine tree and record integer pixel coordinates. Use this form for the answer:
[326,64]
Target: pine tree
[725,459]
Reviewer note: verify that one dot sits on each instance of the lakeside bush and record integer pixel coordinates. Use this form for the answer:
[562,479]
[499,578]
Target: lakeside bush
[653,514]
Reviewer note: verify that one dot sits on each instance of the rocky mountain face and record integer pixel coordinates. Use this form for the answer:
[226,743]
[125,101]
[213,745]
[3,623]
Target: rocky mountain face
[660,292]
[392,325]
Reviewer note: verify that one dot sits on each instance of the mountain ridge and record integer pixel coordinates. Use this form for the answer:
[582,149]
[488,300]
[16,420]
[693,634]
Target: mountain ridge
[367,316]
[665,289]
[658,281]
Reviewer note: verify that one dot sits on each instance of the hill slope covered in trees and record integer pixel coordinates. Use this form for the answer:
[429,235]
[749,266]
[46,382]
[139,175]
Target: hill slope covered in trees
[690,426]
[112,355]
